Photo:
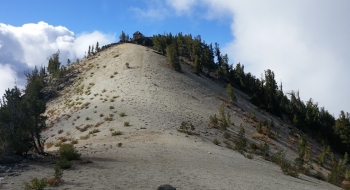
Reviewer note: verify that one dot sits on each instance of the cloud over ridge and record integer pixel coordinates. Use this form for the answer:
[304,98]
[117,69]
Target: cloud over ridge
[305,43]
[24,47]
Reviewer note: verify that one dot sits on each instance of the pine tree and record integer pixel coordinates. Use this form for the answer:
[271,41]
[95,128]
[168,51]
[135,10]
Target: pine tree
[68,62]
[54,63]
[173,57]
[35,107]
[342,127]
[230,93]
[89,52]
[122,37]
[97,47]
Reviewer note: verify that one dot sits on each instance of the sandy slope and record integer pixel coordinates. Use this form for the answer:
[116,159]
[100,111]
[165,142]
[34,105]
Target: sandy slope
[156,100]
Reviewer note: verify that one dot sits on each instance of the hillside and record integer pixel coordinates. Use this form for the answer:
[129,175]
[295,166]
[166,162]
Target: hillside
[155,100]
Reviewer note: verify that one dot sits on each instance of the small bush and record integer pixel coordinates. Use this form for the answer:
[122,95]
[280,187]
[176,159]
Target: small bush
[227,135]
[116,56]
[108,118]
[67,151]
[62,139]
[74,141]
[111,76]
[126,124]
[94,131]
[49,145]
[214,120]
[85,137]
[116,133]
[36,184]
[127,65]
[122,114]
[241,142]
[253,146]
[120,144]
[250,156]
[64,164]
[115,73]
[60,131]
[216,142]
[188,128]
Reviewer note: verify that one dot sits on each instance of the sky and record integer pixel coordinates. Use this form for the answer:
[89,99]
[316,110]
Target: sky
[305,42]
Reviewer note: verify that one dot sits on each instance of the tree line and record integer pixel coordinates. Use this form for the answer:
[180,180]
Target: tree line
[264,92]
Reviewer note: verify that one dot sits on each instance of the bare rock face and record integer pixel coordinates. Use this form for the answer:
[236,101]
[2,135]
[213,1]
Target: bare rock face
[166,187]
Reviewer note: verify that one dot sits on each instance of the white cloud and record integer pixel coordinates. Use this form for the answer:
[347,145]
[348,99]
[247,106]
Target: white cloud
[181,6]
[23,47]
[305,43]
[7,77]
[154,11]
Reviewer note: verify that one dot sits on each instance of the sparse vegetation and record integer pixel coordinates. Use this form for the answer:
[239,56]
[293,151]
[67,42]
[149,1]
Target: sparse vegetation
[122,114]
[223,122]
[241,141]
[126,124]
[216,141]
[35,184]
[94,131]
[85,137]
[67,151]
[117,133]
[60,131]
[188,128]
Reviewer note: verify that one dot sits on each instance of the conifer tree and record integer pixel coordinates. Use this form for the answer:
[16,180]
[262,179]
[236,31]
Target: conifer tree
[89,52]
[97,47]
[54,63]
[230,93]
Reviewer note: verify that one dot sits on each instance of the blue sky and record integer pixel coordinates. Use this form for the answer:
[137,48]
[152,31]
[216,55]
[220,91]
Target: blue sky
[305,43]
[114,16]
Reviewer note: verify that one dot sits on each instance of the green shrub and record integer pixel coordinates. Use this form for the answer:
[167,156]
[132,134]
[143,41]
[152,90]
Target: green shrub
[126,124]
[122,114]
[230,93]
[187,127]
[241,142]
[57,177]
[253,146]
[216,142]
[227,135]
[338,172]
[214,121]
[116,133]
[120,144]
[94,131]
[67,151]
[35,184]
[63,164]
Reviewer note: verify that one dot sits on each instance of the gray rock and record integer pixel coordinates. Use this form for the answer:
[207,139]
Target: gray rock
[166,187]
